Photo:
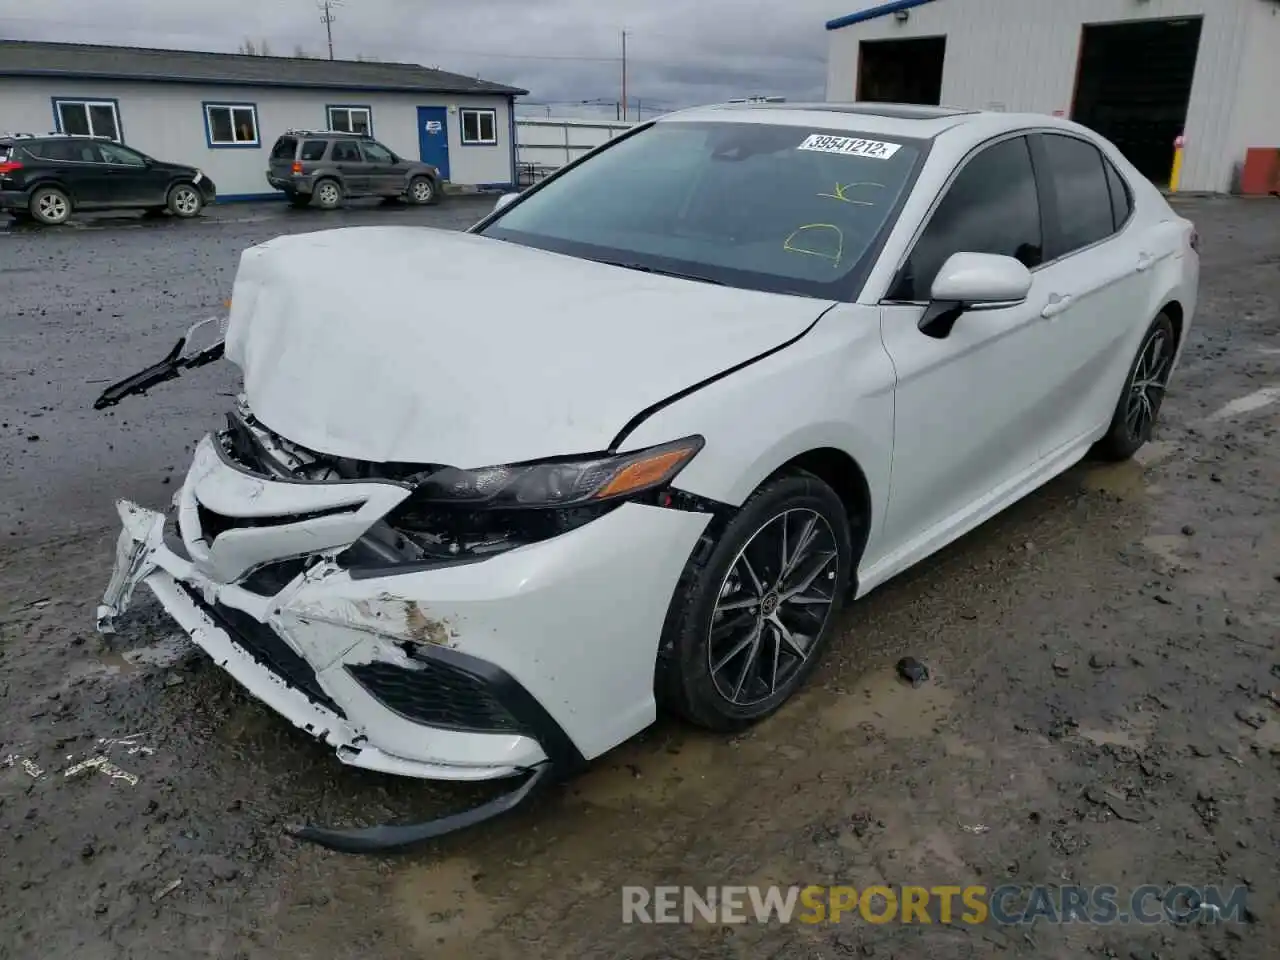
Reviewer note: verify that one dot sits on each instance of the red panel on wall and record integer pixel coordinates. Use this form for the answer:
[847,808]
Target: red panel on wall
[1261,174]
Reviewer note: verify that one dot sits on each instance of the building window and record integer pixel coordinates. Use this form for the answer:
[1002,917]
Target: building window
[231,124]
[479,127]
[351,120]
[88,118]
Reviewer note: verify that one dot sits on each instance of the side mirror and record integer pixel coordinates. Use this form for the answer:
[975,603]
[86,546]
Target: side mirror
[505,201]
[973,281]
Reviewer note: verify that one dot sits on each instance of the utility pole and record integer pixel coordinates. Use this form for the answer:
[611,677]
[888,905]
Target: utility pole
[624,75]
[327,19]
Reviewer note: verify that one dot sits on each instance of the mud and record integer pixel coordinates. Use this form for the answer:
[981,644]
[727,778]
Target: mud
[1101,705]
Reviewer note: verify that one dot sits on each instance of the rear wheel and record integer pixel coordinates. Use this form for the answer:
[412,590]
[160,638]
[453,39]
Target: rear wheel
[422,190]
[752,615]
[50,205]
[1139,406]
[185,201]
[328,194]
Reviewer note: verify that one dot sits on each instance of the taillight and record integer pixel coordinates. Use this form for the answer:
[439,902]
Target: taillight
[9,166]
[297,167]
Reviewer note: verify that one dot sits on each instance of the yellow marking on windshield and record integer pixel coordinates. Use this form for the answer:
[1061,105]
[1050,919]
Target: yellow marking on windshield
[790,244]
[842,187]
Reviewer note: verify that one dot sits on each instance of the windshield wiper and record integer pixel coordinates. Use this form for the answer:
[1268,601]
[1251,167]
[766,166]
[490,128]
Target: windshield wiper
[644,268]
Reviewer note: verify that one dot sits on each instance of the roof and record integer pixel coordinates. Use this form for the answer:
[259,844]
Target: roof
[874,13]
[887,119]
[83,61]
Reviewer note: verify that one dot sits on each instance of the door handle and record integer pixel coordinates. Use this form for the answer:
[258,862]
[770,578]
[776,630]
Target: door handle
[1056,305]
[1145,260]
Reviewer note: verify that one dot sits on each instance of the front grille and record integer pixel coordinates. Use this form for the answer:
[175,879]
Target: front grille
[437,695]
[267,648]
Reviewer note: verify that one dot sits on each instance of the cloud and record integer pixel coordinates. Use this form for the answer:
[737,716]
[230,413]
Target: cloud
[680,52]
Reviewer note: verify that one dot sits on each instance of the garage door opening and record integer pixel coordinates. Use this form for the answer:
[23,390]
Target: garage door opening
[1134,85]
[901,71]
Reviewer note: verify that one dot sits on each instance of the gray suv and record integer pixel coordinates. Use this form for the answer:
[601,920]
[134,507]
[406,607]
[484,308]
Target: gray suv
[325,167]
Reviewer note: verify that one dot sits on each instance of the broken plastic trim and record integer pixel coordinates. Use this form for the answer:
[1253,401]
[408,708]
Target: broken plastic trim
[167,369]
[563,760]
[391,837]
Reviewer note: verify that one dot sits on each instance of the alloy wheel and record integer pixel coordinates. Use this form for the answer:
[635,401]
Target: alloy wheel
[422,191]
[772,606]
[328,194]
[1147,387]
[186,201]
[53,207]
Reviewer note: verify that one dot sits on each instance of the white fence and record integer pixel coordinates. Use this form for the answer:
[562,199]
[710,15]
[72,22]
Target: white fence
[544,145]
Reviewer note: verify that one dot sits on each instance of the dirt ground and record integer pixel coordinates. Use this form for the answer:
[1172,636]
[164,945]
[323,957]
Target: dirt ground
[1115,631]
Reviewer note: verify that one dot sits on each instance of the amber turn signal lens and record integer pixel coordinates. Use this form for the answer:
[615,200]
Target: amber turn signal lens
[645,473]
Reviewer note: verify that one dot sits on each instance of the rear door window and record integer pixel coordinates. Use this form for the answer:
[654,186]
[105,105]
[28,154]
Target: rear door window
[314,149]
[991,207]
[284,148]
[68,151]
[1079,181]
[346,152]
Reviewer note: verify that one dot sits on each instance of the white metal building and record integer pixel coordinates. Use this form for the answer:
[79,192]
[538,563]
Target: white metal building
[1140,72]
[546,144]
[222,112]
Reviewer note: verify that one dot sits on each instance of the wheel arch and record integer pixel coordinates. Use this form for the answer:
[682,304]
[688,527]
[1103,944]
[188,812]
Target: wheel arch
[842,473]
[1177,316]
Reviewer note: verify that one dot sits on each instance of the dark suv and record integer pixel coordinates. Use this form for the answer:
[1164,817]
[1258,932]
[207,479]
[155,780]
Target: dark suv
[46,177]
[325,166]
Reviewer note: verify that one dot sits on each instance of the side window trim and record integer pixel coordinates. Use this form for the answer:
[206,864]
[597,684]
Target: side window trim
[1041,161]
[937,202]
[1128,193]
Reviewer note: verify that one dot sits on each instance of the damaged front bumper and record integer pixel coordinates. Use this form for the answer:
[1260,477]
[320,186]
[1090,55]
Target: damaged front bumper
[526,662]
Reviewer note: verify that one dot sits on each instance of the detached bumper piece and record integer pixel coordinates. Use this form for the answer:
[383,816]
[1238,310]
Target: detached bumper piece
[456,692]
[398,837]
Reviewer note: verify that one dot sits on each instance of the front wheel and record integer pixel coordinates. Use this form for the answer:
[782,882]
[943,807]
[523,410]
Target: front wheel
[185,201]
[751,617]
[50,205]
[1144,389]
[422,190]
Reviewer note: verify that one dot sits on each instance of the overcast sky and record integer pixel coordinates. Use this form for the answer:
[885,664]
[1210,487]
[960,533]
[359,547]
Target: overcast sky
[680,52]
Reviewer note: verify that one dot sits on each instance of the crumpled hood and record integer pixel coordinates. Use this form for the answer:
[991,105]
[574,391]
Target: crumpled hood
[419,345]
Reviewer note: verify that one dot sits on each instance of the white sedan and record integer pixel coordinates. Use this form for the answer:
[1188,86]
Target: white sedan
[490,499]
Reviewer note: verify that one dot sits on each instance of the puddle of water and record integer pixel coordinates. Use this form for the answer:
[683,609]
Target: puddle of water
[1167,547]
[164,653]
[1155,452]
[1124,480]
[890,706]
[440,908]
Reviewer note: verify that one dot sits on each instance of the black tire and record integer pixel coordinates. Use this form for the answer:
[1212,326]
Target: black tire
[327,194]
[1132,422]
[422,191]
[50,205]
[685,681]
[184,200]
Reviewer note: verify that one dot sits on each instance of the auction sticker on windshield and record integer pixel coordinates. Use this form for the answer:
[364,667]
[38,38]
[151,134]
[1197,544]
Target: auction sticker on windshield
[850,146]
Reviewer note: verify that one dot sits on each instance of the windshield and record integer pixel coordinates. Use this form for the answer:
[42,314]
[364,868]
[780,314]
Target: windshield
[768,207]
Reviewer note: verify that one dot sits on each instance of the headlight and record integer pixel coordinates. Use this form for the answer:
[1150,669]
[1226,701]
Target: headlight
[562,483]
